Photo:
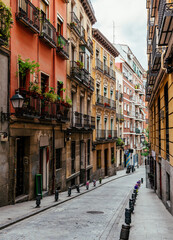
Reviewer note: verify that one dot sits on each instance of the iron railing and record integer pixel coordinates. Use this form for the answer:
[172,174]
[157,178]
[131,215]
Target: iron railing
[48,32]
[99,65]
[90,45]
[28,14]
[106,70]
[80,120]
[63,46]
[75,23]
[106,134]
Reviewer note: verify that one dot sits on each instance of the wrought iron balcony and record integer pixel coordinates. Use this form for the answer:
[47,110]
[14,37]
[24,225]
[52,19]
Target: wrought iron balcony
[99,65]
[99,99]
[165,23]
[106,70]
[37,106]
[81,75]
[112,74]
[48,33]
[102,135]
[62,47]
[113,104]
[75,24]
[156,55]
[107,102]
[82,37]
[80,120]
[28,15]
[90,45]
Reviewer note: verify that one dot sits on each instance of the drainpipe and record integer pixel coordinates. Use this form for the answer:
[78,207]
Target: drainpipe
[53,159]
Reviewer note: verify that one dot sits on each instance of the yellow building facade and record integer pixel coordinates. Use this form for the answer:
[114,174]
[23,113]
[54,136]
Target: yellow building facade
[104,106]
[80,88]
[159,94]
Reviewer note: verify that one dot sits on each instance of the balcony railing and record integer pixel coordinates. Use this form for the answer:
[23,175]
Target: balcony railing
[63,47]
[106,70]
[99,99]
[82,37]
[113,104]
[105,134]
[36,106]
[90,45]
[75,24]
[112,74]
[48,33]
[28,14]
[81,75]
[107,102]
[165,22]
[99,65]
[80,120]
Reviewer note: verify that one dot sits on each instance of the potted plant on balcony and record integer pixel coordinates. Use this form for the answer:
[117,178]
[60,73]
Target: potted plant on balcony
[80,64]
[73,24]
[34,88]
[60,42]
[51,95]
[109,136]
[119,142]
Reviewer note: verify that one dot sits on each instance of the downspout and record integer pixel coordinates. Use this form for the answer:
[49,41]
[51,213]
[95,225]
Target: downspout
[53,158]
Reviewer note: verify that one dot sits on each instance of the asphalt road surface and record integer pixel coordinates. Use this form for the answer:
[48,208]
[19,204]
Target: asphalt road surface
[95,215]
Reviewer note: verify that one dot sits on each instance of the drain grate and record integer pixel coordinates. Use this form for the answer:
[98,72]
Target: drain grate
[95,212]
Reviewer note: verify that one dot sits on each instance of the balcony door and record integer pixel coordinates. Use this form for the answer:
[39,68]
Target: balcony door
[106,161]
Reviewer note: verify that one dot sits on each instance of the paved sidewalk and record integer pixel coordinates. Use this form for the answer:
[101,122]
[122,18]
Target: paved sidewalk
[150,220]
[14,213]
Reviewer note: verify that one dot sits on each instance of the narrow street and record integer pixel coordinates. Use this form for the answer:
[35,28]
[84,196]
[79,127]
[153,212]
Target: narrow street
[95,215]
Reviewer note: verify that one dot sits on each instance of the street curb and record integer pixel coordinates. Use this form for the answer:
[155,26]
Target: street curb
[19,219]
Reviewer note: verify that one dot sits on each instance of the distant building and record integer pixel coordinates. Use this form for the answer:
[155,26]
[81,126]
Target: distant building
[104,106]
[134,103]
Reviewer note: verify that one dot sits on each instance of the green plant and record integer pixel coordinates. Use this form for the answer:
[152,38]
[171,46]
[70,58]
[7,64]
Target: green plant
[68,100]
[61,42]
[80,64]
[119,142]
[51,95]
[34,87]
[27,65]
[6,21]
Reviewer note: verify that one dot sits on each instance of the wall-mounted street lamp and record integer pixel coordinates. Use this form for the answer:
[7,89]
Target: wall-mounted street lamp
[17,102]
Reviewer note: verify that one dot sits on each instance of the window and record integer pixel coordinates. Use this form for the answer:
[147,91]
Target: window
[59,25]
[44,9]
[60,89]
[158,104]
[97,53]
[167,119]
[124,88]
[124,123]
[58,158]
[73,150]
[167,187]
[105,91]
[98,159]
[44,83]
[128,91]
[23,78]
[125,106]
[128,124]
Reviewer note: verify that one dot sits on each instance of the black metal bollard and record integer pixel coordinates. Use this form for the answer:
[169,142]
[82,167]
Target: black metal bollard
[142,180]
[69,191]
[131,205]
[135,192]
[100,180]
[77,188]
[124,235]
[133,198]
[56,195]
[38,200]
[127,216]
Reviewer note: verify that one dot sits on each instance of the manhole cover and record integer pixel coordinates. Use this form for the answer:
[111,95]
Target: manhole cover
[95,212]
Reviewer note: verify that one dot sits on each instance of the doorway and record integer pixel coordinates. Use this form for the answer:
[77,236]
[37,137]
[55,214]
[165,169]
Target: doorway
[20,167]
[106,161]
[160,175]
[44,167]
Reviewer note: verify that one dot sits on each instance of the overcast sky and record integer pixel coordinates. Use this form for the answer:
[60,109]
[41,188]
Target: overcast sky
[130,18]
